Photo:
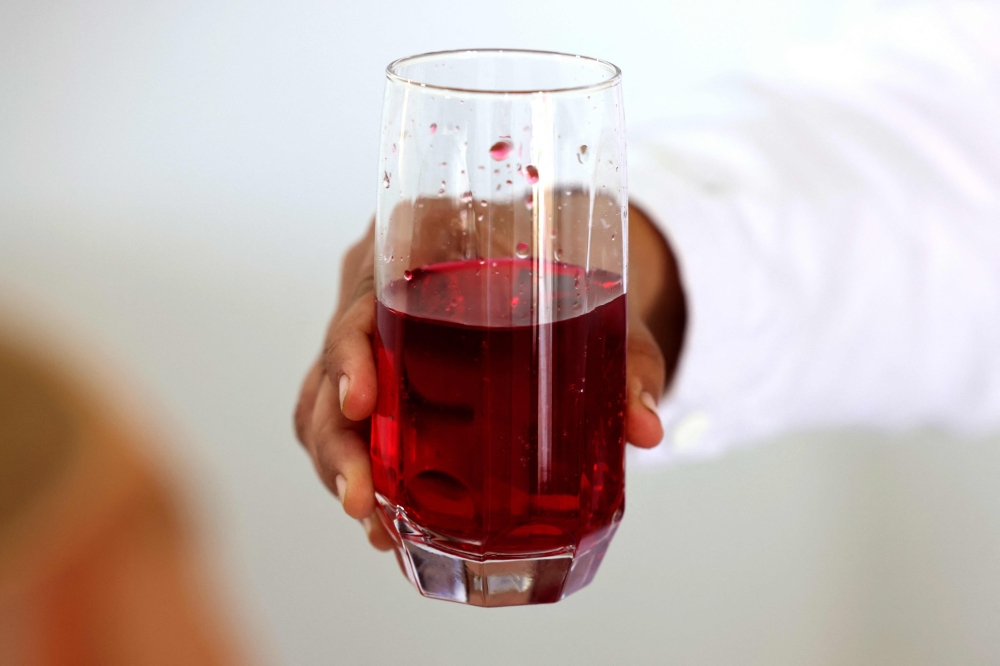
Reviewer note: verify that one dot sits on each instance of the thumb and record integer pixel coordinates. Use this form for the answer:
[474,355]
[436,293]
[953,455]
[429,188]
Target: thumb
[645,385]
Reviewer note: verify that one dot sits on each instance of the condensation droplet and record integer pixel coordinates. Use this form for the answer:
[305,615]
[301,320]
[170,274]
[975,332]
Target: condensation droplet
[434,128]
[441,192]
[480,218]
[466,198]
[393,148]
[612,236]
[531,174]
[521,250]
[529,201]
[500,150]
[581,155]
[557,253]
[386,178]
[482,203]
[408,274]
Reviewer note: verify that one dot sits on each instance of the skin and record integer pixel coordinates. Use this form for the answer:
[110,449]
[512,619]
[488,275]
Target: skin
[332,419]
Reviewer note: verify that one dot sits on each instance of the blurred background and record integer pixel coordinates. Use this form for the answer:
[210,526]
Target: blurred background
[178,182]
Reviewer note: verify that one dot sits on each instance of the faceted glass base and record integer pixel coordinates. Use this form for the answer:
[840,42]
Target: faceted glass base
[439,572]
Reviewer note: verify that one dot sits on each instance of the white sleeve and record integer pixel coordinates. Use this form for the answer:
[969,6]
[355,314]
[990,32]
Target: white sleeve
[839,240]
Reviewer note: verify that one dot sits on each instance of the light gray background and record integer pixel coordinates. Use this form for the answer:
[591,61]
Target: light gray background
[177,183]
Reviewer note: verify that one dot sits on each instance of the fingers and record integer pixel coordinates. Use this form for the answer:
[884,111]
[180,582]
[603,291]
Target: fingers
[349,360]
[307,401]
[378,536]
[339,449]
[645,386]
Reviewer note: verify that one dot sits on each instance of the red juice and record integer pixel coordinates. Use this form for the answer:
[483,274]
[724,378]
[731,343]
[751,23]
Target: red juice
[499,431]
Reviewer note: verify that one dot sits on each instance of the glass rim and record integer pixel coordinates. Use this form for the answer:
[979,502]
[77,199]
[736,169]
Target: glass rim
[614,78]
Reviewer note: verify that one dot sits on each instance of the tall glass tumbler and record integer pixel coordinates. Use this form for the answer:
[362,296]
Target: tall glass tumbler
[500,272]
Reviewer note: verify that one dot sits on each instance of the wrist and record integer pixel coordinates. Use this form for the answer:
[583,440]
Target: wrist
[655,290]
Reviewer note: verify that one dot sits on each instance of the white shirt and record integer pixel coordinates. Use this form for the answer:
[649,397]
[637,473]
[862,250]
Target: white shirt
[838,236]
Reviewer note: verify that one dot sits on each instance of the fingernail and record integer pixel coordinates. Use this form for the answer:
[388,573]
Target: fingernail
[341,487]
[647,399]
[345,383]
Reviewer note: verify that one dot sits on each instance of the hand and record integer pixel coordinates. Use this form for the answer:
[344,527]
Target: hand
[338,397]
[332,419]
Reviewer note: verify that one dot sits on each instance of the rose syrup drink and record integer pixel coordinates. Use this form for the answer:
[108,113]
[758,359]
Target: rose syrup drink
[498,440]
[497,443]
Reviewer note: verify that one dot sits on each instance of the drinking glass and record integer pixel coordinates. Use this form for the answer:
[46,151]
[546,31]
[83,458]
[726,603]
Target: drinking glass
[498,441]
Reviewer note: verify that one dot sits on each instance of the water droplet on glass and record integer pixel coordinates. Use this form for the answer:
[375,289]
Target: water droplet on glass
[466,198]
[408,275]
[434,127]
[500,150]
[510,182]
[441,192]
[581,155]
[521,250]
[444,164]
[531,174]
[482,203]
[393,148]
[612,236]
[557,253]
[529,201]
[514,301]
[480,218]
[385,179]
[482,262]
